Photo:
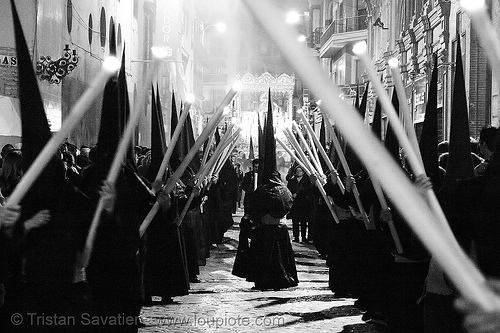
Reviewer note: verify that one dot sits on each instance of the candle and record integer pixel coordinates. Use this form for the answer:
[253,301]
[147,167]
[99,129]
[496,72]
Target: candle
[110,66]
[214,121]
[317,181]
[123,147]
[322,151]
[375,157]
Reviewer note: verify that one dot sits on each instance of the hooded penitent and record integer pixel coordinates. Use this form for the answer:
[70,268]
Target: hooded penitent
[157,139]
[429,138]
[377,120]
[271,196]
[251,154]
[35,129]
[391,141]
[459,159]
[176,158]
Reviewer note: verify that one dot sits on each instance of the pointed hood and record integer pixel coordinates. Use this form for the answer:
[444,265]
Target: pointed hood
[184,137]
[354,163]
[356,101]
[251,154]
[261,150]
[176,157]
[35,127]
[322,142]
[195,163]
[270,168]
[322,134]
[271,196]
[109,130]
[377,120]
[364,101]
[429,137]
[217,136]
[124,101]
[391,141]
[125,107]
[157,138]
[459,159]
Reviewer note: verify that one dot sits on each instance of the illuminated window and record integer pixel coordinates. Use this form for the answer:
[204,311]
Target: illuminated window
[103,27]
[69,15]
[91,27]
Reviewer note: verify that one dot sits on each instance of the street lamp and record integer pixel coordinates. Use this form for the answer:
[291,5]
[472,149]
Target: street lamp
[293,17]
[220,26]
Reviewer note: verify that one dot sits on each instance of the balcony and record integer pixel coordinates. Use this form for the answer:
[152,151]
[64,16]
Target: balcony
[342,32]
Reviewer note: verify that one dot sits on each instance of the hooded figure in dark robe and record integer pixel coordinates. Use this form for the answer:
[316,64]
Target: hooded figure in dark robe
[53,222]
[113,271]
[270,262]
[165,271]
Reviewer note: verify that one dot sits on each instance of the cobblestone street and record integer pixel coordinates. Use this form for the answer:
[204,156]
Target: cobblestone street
[222,302]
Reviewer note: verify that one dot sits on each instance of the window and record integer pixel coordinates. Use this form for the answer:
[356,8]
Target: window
[112,29]
[91,29]
[69,15]
[103,27]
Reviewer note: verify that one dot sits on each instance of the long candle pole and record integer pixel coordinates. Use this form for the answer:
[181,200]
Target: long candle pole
[110,66]
[199,181]
[306,146]
[415,162]
[403,193]
[334,173]
[317,182]
[189,156]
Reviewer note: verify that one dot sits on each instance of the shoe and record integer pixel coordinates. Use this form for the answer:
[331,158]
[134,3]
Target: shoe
[194,280]
[305,240]
[296,240]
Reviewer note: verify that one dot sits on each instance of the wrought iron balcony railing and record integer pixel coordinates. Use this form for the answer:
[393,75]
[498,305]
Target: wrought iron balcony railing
[344,25]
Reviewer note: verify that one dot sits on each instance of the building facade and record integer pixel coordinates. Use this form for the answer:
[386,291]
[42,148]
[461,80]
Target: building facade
[412,31]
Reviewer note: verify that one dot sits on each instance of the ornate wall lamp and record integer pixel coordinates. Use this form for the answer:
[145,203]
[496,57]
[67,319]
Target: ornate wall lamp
[55,70]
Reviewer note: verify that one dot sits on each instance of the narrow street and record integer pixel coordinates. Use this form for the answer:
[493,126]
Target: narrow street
[222,302]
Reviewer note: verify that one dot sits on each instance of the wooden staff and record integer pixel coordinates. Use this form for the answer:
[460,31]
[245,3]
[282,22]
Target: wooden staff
[395,183]
[222,156]
[317,165]
[317,182]
[368,224]
[413,157]
[224,141]
[118,160]
[309,170]
[291,138]
[407,119]
[310,130]
[209,145]
[322,151]
[172,143]
[109,68]
[189,156]
[199,181]
[227,153]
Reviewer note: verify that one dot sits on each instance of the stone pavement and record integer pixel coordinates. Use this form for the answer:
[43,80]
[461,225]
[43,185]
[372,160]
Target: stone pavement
[222,302]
